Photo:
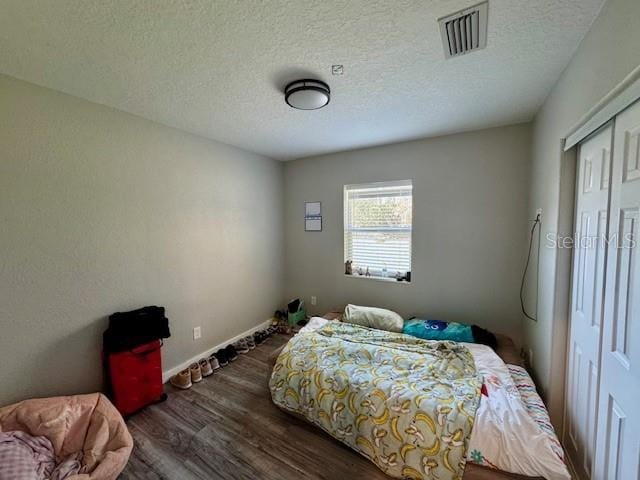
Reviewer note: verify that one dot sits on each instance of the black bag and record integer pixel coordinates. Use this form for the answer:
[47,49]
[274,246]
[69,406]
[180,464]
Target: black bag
[128,330]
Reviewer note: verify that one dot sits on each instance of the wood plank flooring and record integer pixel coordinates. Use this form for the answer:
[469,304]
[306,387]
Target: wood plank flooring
[226,427]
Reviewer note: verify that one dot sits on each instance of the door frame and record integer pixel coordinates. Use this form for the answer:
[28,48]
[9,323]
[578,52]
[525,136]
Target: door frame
[563,282]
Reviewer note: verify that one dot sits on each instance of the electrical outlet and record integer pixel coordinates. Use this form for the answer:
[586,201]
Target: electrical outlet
[197,333]
[539,214]
[314,300]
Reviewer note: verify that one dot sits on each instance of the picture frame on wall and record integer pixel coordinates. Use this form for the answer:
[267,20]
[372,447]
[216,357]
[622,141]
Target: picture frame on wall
[312,216]
[312,209]
[313,224]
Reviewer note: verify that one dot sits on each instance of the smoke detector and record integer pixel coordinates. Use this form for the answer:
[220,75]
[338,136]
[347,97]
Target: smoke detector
[464,31]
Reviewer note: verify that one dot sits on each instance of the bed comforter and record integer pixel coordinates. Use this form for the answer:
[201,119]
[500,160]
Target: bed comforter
[406,404]
[511,436]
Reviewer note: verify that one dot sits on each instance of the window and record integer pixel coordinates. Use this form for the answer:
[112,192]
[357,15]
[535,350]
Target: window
[377,228]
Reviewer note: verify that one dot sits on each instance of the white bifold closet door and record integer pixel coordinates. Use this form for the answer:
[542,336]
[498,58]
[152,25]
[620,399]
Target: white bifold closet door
[592,204]
[618,438]
[602,428]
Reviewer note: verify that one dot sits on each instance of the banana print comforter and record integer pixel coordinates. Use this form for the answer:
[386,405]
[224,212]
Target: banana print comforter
[406,404]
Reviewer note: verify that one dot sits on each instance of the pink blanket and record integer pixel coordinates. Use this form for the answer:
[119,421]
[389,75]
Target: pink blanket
[23,457]
[86,424]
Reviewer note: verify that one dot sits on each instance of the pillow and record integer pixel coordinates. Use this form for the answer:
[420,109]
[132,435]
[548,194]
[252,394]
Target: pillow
[373,317]
[457,332]
[438,330]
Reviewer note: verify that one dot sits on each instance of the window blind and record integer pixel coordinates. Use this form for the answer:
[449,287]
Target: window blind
[377,227]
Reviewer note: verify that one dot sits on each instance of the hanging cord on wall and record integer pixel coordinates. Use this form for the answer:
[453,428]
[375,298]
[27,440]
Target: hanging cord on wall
[536,222]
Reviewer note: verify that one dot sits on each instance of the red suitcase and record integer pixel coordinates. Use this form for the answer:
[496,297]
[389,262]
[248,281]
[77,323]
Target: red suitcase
[136,377]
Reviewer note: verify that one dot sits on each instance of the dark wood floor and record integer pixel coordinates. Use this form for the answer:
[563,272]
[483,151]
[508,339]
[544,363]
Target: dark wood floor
[226,427]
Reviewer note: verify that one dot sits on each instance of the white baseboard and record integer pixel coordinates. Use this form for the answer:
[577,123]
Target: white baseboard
[167,374]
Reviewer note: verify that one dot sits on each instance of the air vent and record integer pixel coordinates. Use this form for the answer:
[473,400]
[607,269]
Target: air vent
[464,31]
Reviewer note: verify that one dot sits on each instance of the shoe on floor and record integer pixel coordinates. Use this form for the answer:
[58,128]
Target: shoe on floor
[284,329]
[251,343]
[241,346]
[223,358]
[205,367]
[231,353]
[196,373]
[259,337]
[213,361]
[182,379]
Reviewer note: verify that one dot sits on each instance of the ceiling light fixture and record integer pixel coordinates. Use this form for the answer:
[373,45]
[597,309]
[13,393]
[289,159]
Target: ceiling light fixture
[307,94]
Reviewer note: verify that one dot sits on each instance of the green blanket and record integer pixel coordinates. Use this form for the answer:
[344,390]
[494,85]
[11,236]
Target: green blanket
[406,404]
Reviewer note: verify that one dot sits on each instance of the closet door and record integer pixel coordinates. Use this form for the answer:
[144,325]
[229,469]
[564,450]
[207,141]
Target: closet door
[592,203]
[618,448]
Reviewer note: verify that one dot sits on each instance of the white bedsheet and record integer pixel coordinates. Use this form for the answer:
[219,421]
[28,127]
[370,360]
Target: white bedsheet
[504,435]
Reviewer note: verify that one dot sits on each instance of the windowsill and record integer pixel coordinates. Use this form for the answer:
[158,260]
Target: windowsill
[379,279]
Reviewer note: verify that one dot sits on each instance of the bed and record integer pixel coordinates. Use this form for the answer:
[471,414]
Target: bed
[475,415]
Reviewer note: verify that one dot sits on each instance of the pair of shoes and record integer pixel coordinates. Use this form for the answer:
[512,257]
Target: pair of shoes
[187,377]
[196,372]
[205,367]
[232,354]
[213,361]
[241,346]
[226,355]
[251,343]
[221,357]
[182,380]
[260,337]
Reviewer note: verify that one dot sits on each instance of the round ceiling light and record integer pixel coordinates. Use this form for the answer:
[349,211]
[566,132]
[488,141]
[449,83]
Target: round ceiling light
[307,94]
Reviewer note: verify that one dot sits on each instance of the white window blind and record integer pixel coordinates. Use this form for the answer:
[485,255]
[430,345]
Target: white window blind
[377,227]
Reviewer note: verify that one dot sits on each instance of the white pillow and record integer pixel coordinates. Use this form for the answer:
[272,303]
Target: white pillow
[373,317]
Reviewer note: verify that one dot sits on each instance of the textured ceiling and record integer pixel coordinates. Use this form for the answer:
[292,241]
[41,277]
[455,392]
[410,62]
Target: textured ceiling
[217,68]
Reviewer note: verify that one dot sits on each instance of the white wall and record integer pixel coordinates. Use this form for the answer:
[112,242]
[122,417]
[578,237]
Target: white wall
[607,54]
[102,211]
[470,199]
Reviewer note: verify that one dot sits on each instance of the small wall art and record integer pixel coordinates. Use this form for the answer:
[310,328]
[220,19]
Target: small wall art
[313,217]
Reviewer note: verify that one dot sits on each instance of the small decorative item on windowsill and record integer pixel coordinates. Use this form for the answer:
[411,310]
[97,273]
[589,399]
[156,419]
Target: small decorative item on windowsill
[404,278]
[347,267]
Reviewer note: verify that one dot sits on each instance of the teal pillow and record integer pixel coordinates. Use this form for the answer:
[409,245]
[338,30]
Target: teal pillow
[438,330]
